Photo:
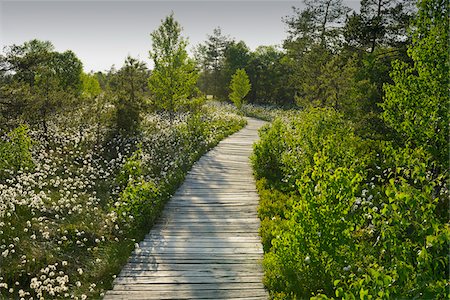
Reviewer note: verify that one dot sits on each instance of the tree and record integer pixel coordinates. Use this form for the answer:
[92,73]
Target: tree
[41,81]
[174,77]
[94,105]
[416,104]
[319,23]
[315,33]
[379,23]
[211,57]
[130,86]
[304,73]
[268,76]
[239,86]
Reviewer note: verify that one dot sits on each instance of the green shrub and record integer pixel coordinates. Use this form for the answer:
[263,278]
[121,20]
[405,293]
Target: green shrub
[267,152]
[15,151]
[138,200]
[346,217]
[131,170]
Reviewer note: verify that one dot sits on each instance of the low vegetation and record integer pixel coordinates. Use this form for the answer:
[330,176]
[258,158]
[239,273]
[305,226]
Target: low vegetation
[347,217]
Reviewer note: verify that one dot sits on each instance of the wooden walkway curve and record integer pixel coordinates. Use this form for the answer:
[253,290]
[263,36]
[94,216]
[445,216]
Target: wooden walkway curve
[206,243]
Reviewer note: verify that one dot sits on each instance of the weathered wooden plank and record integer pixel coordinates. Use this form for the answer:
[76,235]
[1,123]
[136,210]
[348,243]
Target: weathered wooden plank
[185,213]
[202,242]
[207,227]
[207,231]
[207,195]
[192,267]
[188,279]
[200,205]
[248,211]
[236,185]
[209,234]
[192,294]
[222,181]
[231,239]
[196,259]
[183,287]
[218,192]
[223,175]
[251,196]
[200,272]
[208,219]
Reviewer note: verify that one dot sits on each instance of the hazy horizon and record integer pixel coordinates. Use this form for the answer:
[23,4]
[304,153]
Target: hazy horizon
[103,32]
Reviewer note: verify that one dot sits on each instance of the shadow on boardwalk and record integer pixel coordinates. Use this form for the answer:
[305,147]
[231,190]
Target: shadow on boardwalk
[206,243]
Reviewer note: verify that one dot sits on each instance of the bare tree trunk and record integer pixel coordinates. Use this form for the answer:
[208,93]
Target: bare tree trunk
[324,24]
[376,26]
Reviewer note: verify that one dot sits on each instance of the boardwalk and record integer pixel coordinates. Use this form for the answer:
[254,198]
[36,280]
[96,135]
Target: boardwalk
[206,244]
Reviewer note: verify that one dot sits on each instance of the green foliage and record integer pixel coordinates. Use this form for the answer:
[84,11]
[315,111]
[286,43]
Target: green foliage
[346,217]
[335,83]
[239,86]
[42,81]
[271,148]
[268,76]
[210,57]
[138,200]
[174,77]
[90,86]
[15,152]
[131,170]
[316,24]
[380,23]
[236,56]
[416,104]
[129,86]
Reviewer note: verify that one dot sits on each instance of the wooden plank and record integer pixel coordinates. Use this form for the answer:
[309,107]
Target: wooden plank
[219,184]
[199,272]
[204,205]
[182,287]
[221,192]
[206,227]
[249,196]
[201,251]
[185,214]
[186,279]
[197,259]
[231,239]
[193,294]
[223,180]
[208,219]
[205,234]
[181,214]
[208,231]
[191,267]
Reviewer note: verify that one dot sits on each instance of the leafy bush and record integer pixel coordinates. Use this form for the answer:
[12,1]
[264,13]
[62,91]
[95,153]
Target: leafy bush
[15,151]
[346,217]
[416,104]
[139,202]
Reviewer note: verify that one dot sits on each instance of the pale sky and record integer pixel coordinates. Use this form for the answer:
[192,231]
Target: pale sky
[104,32]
